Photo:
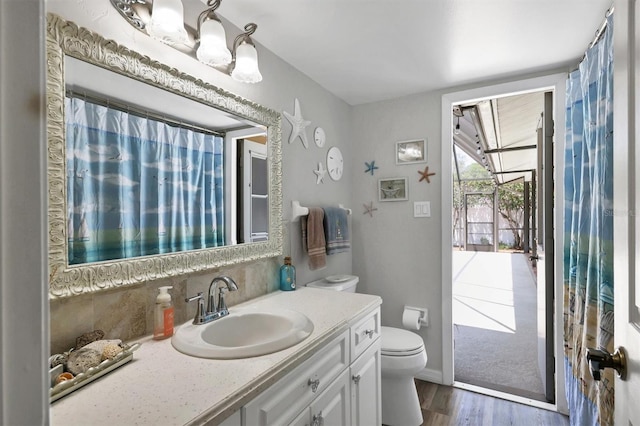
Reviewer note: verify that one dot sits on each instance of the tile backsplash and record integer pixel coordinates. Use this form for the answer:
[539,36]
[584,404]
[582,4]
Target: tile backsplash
[127,313]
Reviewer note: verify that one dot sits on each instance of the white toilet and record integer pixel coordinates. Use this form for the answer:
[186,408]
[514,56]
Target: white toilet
[403,355]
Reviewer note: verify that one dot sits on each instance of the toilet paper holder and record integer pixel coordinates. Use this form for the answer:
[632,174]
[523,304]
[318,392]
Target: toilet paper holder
[424,314]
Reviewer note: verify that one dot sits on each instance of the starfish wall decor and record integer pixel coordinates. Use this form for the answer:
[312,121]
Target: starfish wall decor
[371,167]
[298,124]
[369,209]
[320,174]
[424,175]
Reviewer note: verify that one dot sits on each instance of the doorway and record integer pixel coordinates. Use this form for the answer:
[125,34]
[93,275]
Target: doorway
[494,289]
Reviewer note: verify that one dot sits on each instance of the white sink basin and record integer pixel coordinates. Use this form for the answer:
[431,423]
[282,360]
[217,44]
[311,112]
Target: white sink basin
[244,333]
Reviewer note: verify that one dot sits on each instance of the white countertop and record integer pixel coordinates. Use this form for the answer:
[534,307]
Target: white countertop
[162,386]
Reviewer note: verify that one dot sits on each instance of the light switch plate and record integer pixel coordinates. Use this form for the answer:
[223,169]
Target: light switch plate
[421,209]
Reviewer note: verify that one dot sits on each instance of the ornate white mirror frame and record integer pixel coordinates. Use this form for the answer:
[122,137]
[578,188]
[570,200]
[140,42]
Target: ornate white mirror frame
[66,38]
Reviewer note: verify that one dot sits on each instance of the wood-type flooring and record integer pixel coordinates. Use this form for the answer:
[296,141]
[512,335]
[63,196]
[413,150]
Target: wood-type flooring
[447,405]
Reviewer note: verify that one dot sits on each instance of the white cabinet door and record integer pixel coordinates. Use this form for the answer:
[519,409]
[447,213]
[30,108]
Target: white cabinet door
[233,420]
[365,388]
[333,406]
[303,419]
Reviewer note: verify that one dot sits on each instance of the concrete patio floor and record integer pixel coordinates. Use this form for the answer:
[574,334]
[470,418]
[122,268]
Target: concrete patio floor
[495,323]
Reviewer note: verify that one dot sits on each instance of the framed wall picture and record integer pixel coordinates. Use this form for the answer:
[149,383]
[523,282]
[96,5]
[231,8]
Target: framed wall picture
[393,189]
[411,152]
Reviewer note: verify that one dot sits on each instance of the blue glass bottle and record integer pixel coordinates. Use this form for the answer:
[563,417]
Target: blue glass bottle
[287,275]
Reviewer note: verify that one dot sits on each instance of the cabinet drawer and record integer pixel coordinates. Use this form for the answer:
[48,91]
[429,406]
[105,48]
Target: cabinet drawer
[364,332]
[289,396]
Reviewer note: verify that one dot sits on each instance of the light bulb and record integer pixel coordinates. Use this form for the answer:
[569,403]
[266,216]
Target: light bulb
[167,22]
[246,68]
[213,44]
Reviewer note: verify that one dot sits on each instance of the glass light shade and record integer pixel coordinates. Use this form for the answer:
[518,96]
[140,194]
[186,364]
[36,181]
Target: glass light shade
[246,69]
[167,22]
[213,44]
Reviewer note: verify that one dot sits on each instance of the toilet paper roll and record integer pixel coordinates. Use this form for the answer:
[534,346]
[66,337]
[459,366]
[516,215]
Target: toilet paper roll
[411,319]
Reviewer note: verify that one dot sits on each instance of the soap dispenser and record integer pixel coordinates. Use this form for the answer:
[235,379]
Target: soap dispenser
[287,275]
[163,315]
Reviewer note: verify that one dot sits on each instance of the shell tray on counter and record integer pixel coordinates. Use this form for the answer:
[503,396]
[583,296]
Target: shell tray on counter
[90,359]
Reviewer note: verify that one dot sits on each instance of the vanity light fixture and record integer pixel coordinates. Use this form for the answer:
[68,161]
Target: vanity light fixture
[164,21]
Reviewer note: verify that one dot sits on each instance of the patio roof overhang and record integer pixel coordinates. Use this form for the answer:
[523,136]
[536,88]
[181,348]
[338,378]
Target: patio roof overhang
[501,134]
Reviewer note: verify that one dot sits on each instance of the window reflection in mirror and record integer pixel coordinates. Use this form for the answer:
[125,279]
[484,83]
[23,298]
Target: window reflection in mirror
[150,172]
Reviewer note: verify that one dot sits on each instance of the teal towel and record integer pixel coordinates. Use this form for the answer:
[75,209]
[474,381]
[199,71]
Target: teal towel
[336,230]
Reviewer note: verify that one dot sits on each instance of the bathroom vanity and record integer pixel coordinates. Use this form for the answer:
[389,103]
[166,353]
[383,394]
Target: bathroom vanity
[333,376]
[339,385]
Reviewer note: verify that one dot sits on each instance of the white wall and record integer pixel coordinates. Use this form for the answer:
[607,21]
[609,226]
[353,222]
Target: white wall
[396,255]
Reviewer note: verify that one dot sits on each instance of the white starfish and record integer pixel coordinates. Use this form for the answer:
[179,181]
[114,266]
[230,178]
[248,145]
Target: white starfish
[298,124]
[320,174]
[369,209]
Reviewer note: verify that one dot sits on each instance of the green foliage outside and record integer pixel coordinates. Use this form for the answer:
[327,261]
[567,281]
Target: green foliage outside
[510,199]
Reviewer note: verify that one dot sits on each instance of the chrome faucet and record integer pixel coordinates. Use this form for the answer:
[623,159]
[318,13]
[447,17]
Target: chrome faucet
[213,312]
[222,306]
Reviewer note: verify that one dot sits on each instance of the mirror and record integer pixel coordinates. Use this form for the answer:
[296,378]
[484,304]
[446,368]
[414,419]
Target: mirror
[224,155]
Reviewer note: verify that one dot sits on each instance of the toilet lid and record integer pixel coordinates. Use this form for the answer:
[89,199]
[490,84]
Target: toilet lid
[396,341]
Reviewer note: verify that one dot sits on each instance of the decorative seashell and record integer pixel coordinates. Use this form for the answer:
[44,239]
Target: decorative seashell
[82,359]
[63,377]
[99,345]
[110,351]
[87,338]
[57,359]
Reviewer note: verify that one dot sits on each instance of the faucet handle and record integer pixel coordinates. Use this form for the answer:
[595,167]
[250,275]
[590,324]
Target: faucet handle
[200,313]
[222,305]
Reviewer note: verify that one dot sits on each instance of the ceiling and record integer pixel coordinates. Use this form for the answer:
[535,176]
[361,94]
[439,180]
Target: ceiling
[370,50]
[366,51]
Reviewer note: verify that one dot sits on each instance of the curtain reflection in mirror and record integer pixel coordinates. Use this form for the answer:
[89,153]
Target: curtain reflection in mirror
[138,186]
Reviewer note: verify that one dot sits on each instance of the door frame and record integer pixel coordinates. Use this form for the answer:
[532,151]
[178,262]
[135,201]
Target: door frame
[626,224]
[557,84]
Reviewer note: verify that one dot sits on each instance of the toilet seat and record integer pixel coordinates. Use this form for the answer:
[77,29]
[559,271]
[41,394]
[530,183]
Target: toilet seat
[398,342]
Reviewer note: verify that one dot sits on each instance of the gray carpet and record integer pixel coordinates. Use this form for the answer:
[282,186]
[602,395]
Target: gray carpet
[494,315]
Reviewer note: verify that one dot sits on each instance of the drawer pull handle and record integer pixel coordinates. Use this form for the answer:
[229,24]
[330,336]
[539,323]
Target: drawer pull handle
[317,420]
[314,386]
[369,333]
[356,379]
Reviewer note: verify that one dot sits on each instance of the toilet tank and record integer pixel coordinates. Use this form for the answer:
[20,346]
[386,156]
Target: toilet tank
[345,283]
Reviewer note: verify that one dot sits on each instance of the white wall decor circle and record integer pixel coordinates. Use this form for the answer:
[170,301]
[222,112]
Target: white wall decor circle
[335,163]
[320,137]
